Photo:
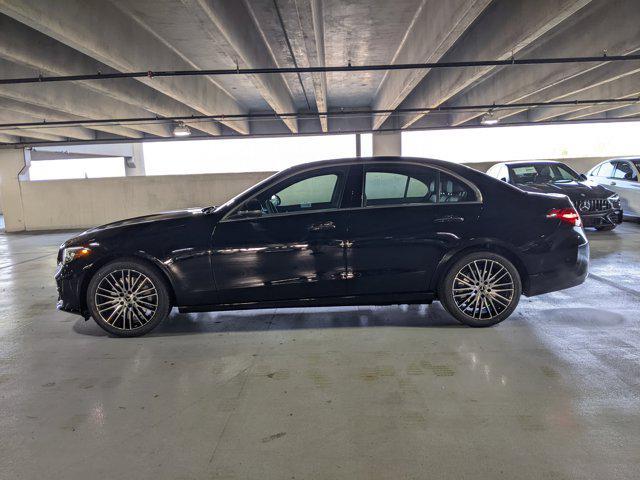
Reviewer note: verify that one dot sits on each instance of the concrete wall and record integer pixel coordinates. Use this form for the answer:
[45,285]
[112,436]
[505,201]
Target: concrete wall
[73,204]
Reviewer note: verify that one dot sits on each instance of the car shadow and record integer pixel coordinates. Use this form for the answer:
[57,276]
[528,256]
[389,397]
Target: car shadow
[431,316]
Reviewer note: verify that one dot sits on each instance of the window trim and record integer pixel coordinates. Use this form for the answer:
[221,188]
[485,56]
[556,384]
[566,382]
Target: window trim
[351,163]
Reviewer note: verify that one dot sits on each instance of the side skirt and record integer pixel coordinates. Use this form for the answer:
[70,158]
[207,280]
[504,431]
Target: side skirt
[386,299]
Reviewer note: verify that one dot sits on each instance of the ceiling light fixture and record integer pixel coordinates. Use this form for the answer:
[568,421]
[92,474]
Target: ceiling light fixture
[489,119]
[181,130]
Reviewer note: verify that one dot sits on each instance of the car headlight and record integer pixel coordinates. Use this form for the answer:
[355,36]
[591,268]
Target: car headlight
[70,253]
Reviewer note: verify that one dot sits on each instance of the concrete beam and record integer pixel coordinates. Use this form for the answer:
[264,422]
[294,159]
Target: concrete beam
[306,19]
[26,46]
[34,134]
[434,29]
[79,133]
[624,87]
[102,31]
[8,138]
[238,24]
[505,28]
[624,112]
[52,115]
[614,25]
[61,152]
[75,100]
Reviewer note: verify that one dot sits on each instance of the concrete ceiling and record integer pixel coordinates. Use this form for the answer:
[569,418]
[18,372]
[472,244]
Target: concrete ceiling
[76,37]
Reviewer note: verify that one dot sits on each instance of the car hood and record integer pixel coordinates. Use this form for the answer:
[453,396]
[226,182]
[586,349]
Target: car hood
[574,190]
[149,220]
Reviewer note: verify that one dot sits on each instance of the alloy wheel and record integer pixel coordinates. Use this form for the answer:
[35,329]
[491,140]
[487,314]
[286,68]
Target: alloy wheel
[483,289]
[126,299]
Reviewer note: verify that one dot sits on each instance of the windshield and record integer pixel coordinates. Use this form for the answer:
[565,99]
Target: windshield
[542,173]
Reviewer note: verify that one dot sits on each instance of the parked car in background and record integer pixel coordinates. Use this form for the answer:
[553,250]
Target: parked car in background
[621,175]
[598,206]
[386,230]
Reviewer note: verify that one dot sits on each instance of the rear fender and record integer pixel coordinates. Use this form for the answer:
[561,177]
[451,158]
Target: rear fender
[479,244]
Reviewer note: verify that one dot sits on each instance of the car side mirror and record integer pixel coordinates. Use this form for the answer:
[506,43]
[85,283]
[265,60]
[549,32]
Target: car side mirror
[275,200]
[251,209]
[583,177]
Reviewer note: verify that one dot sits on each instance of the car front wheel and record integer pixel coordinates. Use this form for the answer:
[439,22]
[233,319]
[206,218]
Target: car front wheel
[481,289]
[128,298]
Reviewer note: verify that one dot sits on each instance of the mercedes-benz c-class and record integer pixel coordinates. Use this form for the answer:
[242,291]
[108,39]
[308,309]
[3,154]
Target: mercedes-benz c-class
[376,231]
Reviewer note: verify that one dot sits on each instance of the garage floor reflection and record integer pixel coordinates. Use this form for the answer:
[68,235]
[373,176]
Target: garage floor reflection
[373,393]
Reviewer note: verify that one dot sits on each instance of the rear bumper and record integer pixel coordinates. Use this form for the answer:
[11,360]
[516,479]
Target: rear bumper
[602,219]
[572,272]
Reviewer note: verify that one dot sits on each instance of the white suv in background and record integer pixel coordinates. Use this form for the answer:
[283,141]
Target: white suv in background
[621,175]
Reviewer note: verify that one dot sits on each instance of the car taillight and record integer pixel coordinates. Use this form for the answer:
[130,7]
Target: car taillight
[566,215]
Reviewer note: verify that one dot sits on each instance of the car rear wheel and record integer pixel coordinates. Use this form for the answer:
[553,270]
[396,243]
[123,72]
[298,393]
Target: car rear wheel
[481,289]
[128,298]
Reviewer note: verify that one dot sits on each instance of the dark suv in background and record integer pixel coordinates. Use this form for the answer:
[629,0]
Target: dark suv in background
[598,206]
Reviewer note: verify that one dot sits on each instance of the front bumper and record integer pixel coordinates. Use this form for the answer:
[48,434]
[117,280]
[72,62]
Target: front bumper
[602,219]
[68,284]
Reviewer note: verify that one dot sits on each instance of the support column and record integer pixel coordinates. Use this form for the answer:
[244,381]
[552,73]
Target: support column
[12,163]
[134,165]
[387,144]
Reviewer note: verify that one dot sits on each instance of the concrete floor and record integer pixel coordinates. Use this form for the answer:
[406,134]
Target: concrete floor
[372,393]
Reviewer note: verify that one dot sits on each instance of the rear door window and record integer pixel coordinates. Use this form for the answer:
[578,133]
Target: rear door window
[407,184]
[399,185]
[624,171]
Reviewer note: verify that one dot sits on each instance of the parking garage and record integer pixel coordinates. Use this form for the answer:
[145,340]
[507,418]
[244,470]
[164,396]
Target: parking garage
[117,109]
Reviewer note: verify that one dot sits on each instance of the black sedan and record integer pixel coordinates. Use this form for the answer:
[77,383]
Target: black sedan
[598,206]
[388,230]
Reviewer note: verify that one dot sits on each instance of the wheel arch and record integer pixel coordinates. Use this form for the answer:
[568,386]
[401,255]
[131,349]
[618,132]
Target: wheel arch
[138,256]
[481,245]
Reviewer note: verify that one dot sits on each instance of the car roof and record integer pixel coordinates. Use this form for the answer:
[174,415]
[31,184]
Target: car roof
[373,160]
[533,162]
[628,159]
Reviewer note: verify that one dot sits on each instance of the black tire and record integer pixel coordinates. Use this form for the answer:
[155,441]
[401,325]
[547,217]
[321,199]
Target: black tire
[493,307]
[606,228]
[128,314]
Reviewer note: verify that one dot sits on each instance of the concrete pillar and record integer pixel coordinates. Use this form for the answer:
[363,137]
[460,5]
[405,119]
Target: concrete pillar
[387,144]
[12,163]
[134,165]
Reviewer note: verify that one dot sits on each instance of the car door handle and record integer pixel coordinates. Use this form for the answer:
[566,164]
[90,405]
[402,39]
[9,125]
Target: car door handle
[322,227]
[449,219]
[612,183]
